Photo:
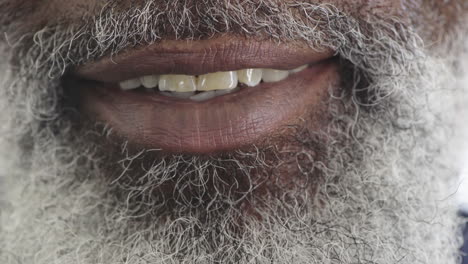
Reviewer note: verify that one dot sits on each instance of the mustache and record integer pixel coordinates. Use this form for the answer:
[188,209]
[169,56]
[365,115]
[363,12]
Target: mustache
[365,43]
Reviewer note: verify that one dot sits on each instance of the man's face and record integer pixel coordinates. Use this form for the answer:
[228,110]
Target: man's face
[224,131]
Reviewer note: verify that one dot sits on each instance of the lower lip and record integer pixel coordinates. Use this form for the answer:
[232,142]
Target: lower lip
[225,123]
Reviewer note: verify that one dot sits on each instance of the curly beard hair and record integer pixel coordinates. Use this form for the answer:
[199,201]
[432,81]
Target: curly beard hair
[373,185]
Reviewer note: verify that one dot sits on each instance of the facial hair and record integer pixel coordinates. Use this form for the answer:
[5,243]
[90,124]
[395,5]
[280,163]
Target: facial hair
[373,186]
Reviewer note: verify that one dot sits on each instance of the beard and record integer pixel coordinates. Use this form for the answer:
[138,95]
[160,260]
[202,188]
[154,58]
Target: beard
[373,185]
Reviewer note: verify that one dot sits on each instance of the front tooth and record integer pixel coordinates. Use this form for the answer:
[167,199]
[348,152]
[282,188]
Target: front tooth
[186,95]
[250,77]
[270,75]
[299,69]
[217,81]
[150,81]
[130,84]
[177,83]
[204,96]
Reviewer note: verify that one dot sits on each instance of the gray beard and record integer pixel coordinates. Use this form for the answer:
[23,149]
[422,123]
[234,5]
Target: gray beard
[379,192]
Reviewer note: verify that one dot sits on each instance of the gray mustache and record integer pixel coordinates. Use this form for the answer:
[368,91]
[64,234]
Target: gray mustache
[365,44]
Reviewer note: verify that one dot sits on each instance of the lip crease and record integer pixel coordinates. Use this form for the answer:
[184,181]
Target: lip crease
[232,121]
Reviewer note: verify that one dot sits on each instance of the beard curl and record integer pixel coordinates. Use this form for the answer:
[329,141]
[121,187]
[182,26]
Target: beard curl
[370,187]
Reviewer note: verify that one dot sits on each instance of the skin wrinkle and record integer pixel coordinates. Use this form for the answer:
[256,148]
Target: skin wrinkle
[328,195]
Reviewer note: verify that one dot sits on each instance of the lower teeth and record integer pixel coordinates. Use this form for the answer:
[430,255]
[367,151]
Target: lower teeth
[186,95]
[198,97]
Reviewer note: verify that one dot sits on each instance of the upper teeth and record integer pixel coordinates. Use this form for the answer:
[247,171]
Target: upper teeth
[177,83]
[217,81]
[208,82]
[250,77]
[150,81]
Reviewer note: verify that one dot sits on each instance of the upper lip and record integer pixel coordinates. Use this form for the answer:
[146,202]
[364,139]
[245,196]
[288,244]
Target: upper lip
[199,57]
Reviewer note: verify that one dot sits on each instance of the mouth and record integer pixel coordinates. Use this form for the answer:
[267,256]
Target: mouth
[207,96]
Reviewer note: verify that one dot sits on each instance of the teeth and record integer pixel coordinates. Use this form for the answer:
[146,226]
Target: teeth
[217,81]
[270,75]
[177,83]
[150,81]
[250,77]
[130,84]
[203,96]
[210,94]
[185,95]
[210,85]
[299,69]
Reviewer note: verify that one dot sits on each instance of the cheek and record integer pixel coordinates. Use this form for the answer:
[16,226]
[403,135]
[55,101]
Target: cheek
[58,10]
[31,15]
[436,20]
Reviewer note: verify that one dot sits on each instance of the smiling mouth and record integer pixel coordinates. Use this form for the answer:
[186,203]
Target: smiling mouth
[207,96]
